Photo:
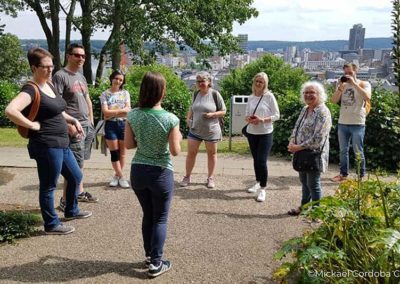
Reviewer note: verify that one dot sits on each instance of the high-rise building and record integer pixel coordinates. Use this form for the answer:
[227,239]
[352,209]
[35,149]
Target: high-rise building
[356,37]
[243,42]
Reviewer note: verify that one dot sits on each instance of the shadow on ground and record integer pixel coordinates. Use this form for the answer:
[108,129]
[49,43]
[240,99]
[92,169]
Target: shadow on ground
[246,216]
[60,186]
[57,269]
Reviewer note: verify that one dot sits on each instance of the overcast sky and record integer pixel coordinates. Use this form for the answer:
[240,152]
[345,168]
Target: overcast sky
[291,20]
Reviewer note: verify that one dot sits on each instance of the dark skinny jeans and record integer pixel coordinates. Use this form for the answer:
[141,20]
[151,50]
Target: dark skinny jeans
[260,147]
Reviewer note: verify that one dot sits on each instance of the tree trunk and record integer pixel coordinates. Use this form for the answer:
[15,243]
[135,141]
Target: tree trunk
[55,24]
[53,41]
[103,59]
[116,42]
[86,32]
[68,27]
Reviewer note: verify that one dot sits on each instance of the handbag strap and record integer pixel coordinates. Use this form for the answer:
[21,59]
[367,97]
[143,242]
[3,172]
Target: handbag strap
[297,129]
[257,104]
[35,103]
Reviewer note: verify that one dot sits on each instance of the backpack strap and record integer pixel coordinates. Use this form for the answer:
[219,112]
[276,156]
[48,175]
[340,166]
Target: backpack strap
[35,103]
[24,132]
[215,97]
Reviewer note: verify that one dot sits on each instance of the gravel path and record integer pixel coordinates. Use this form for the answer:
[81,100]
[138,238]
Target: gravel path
[214,236]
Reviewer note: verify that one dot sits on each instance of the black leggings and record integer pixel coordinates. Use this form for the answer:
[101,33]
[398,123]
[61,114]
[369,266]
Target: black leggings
[260,146]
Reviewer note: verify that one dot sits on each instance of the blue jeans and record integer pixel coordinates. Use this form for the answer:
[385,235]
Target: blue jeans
[356,134]
[51,162]
[311,186]
[154,188]
[260,147]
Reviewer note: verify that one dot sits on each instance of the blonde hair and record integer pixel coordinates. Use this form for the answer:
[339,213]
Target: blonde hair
[264,76]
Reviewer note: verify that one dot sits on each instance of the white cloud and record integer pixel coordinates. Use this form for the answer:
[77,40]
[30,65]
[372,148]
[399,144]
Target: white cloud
[295,20]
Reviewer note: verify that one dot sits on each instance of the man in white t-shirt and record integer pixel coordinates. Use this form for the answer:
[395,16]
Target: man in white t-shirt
[354,96]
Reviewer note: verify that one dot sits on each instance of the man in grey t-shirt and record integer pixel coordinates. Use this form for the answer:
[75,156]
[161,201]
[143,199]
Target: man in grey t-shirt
[71,84]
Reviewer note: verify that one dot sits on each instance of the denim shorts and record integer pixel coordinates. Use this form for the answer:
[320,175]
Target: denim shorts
[197,138]
[114,129]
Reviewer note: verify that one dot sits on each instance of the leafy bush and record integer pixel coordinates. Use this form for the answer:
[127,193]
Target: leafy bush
[176,101]
[284,82]
[17,224]
[8,91]
[359,233]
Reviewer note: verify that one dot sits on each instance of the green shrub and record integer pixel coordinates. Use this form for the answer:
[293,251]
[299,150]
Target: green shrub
[17,224]
[359,232]
[8,91]
[177,99]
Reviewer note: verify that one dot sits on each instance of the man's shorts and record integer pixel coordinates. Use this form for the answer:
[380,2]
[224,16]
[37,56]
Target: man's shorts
[114,129]
[82,148]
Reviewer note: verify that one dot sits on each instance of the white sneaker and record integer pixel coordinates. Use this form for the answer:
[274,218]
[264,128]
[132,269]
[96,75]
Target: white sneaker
[123,183]
[254,188]
[261,196]
[114,181]
[185,181]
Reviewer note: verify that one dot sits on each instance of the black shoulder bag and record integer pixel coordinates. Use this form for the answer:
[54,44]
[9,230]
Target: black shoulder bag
[244,129]
[307,160]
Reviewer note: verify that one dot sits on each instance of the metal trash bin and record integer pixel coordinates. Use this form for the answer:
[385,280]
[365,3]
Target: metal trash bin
[238,113]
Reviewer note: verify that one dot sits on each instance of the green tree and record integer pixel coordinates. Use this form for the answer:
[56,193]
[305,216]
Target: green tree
[168,24]
[284,82]
[12,58]
[396,40]
[177,99]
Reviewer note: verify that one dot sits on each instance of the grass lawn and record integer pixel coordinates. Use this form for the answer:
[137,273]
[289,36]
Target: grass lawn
[9,137]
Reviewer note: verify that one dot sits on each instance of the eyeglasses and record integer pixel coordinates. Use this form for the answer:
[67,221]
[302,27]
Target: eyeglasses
[46,66]
[310,93]
[201,81]
[78,55]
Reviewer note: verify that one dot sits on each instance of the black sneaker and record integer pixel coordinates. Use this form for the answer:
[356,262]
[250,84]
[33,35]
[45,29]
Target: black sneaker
[87,197]
[155,271]
[60,230]
[62,205]
[80,215]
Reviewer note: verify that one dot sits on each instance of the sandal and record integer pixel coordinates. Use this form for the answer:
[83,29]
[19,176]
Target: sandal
[294,212]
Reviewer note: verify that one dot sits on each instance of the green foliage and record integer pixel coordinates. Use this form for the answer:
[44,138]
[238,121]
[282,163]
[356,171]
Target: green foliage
[396,40]
[12,59]
[177,99]
[17,224]
[282,77]
[7,92]
[359,232]
[284,82]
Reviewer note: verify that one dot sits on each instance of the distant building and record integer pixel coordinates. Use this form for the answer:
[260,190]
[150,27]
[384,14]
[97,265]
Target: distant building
[356,37]
[290,54]
[243,42]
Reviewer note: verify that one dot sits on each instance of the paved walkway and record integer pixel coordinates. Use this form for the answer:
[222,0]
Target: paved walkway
[214,236]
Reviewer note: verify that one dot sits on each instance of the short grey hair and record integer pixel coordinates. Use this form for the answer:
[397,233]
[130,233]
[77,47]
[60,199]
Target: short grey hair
[205,76]
[322,97]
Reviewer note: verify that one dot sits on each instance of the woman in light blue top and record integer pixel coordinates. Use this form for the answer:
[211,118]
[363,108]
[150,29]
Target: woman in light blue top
[261,111]
[311,132]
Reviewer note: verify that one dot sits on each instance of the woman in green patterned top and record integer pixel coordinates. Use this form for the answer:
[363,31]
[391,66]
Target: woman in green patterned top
[155,133]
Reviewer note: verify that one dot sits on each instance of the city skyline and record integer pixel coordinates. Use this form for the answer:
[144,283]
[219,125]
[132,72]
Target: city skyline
[283,20]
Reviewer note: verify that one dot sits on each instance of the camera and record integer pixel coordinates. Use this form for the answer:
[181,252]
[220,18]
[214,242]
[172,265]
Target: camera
[344,79]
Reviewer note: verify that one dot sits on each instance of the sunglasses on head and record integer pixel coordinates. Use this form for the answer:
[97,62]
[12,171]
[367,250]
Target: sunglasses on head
[78,55]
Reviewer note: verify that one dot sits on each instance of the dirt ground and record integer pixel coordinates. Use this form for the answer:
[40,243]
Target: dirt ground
[214,236]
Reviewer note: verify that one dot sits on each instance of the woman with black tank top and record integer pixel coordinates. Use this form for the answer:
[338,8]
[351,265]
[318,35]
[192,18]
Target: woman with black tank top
[48,141]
